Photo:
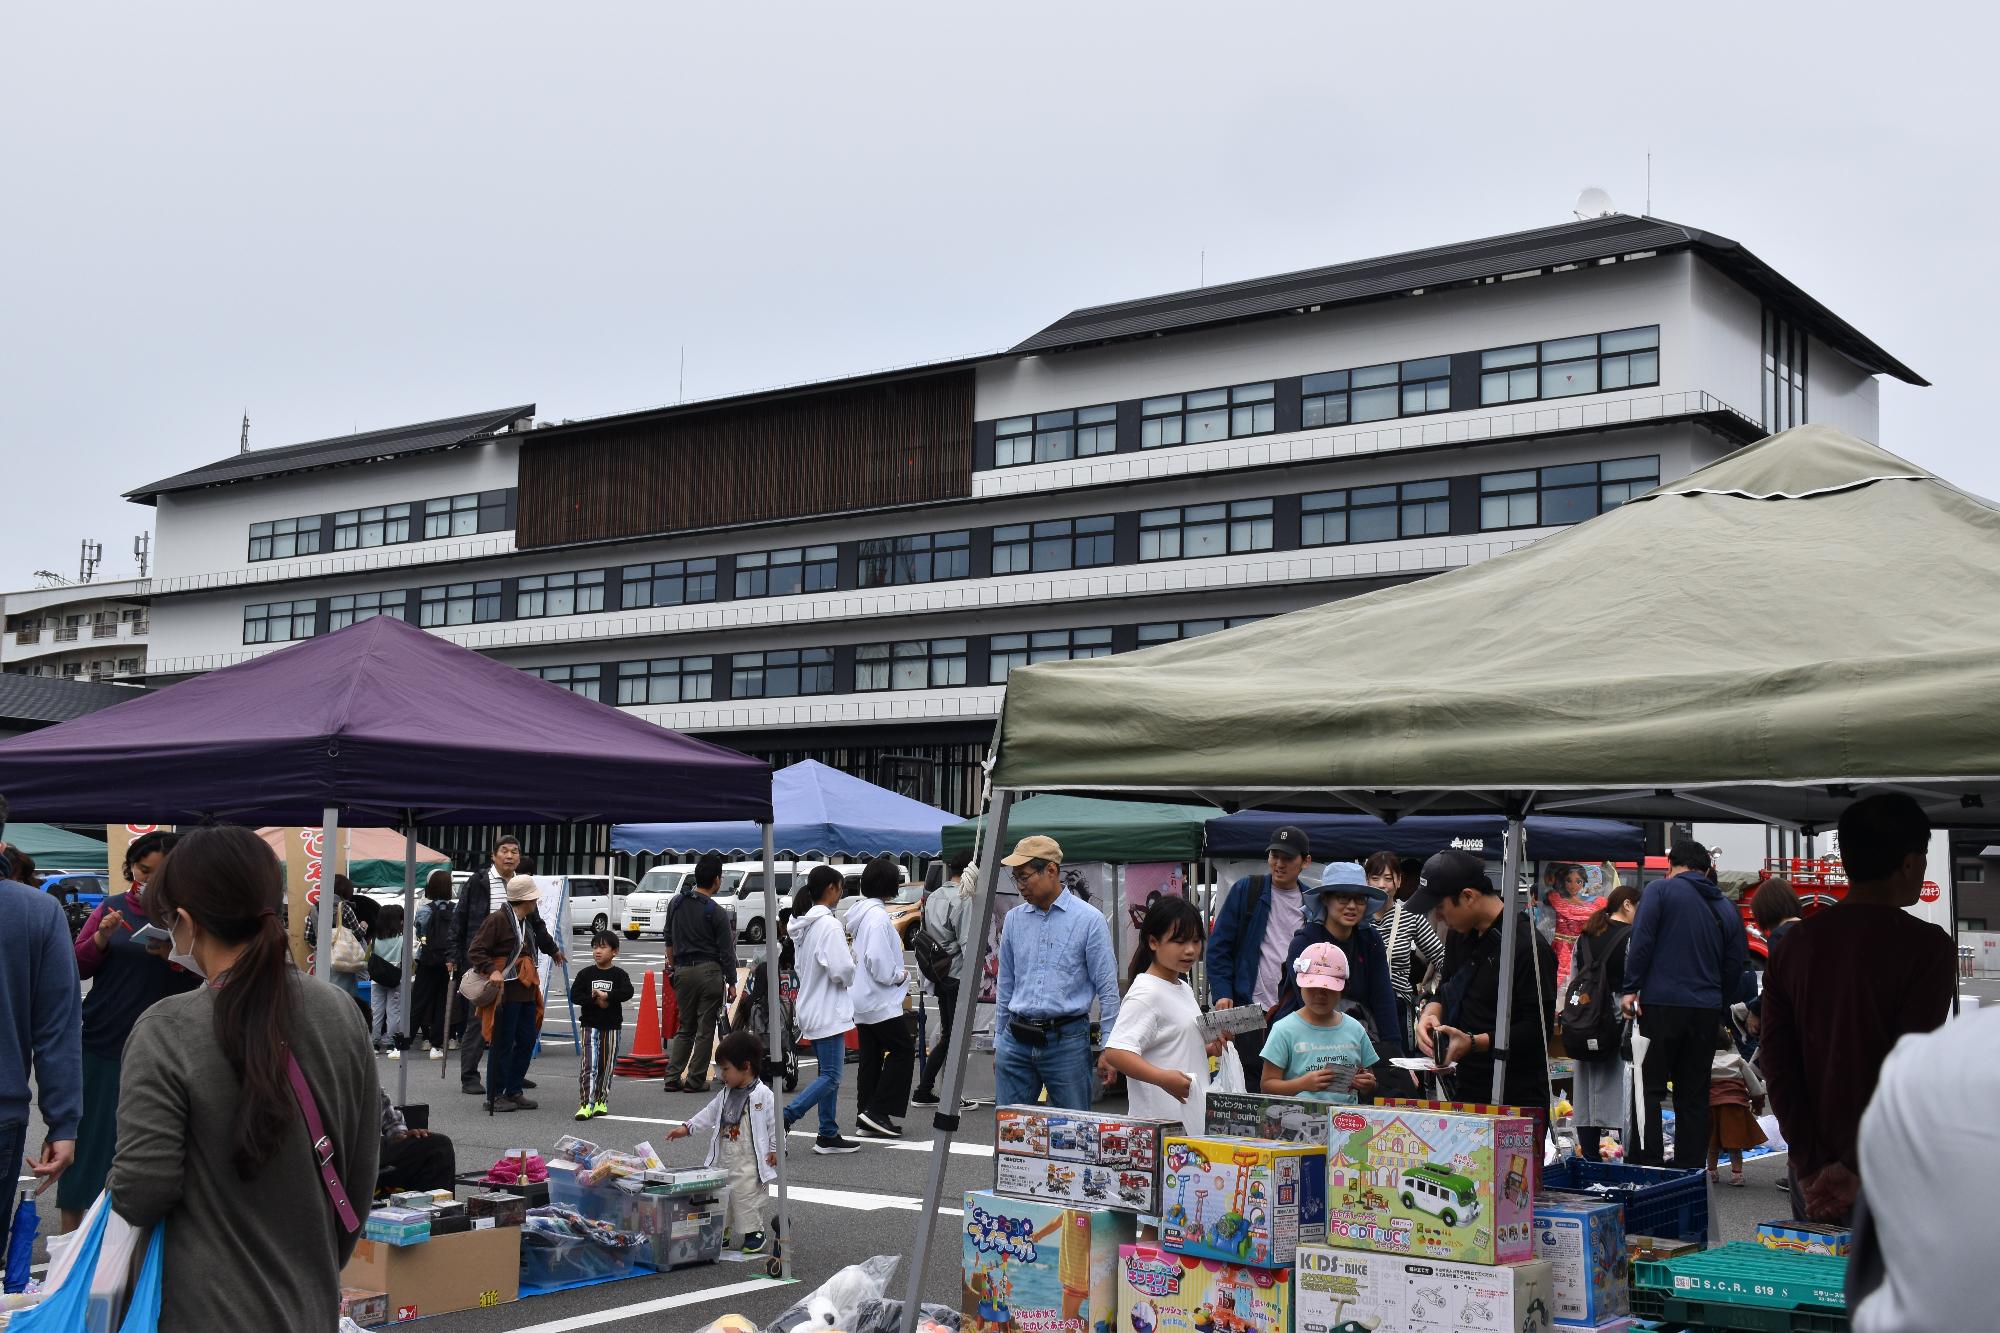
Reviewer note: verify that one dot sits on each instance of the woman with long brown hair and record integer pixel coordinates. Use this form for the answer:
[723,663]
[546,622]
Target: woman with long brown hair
[213,1120]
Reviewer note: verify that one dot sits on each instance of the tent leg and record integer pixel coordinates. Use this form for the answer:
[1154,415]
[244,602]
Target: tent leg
[409,953]
[945,1120]
[774,1023]
[1510,890]
[329,857]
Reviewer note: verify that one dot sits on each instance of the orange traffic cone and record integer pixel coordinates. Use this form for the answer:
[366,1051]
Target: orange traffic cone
[646,1058]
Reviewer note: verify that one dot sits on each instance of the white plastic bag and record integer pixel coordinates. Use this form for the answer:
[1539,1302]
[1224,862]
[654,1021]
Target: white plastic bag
[1228,1073]
[837,1304]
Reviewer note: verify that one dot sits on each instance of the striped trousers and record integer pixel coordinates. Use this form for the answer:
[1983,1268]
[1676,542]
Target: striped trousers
[599,1051]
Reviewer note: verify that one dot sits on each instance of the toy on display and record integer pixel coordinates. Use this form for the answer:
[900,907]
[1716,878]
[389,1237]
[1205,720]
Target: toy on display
[1806,1237]
[1583,1239]
[1068,1157]
[1250,1115]
[1352,1291]
[1035,1267]
[1439,1184]
[1480,1108]
[1160,1292]
[1243,1201]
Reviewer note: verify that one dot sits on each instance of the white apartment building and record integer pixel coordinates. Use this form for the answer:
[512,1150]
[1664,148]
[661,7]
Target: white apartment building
[77,631]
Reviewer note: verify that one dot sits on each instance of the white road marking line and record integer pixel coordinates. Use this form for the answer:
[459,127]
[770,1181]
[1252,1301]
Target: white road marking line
[622,1312]
[860,1200]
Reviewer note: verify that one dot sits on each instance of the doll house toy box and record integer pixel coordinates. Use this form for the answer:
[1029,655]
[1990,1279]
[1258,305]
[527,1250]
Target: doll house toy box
[1435,1184]
[1160,1292]
[1242,1201]
[1035,1267]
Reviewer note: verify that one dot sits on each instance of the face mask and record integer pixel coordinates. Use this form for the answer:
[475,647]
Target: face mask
[186,960]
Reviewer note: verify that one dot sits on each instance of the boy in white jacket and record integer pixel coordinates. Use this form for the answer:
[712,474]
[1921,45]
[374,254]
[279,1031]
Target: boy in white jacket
[888,1049]
[825,1006]
[741,1137]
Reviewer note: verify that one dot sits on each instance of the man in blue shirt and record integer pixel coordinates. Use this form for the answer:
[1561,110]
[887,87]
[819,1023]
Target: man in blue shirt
[1055,957]
[1252,934]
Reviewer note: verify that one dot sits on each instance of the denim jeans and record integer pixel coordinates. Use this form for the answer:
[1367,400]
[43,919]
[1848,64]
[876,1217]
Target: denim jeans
[1062,1065]
[823,1091]
[13,1141]
[933,1061]
[512,1049]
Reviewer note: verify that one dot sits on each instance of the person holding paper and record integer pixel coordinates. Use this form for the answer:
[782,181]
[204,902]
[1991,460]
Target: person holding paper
[1157,1043]
[1319,1053]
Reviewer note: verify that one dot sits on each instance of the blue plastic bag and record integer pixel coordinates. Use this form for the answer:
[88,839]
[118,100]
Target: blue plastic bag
[67,1309]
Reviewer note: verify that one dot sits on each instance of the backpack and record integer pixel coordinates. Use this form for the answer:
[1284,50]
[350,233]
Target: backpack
[1589,1018]
[933,959]
[434,929]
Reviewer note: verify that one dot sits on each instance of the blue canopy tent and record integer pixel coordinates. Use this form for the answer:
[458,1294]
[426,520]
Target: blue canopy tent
[815,809]
[1350,837]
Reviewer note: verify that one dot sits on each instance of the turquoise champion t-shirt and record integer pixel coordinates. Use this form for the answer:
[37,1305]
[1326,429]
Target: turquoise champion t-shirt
[1298,1046]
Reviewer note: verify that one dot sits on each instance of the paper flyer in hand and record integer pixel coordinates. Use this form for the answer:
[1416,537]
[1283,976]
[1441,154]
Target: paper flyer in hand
[1230,1022]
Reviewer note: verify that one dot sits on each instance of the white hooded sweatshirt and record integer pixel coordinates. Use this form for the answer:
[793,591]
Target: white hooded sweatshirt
[826,971]
[880,980]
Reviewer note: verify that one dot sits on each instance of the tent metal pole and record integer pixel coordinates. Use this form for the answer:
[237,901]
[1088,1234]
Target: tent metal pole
[945,1120]
[1510,890]
[774,1022]
[329,857]
[409,955]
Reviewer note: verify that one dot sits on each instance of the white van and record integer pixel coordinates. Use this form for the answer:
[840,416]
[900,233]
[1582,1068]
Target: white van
[742,892]
[646,906]
[597,902]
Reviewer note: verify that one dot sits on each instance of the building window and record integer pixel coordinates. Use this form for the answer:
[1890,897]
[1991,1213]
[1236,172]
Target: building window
[459,604]
[917,664]
[669,583]
[1051,645]
[1375,513]
[1212,414]
[1784,374]
[283,538]
[1376,393]
[666,680]
[1173,631]
[128,666]
[1545,497]
[1971,872]
[780,675]
[1053,544]
[793,570]
[1566,367]
[559,594]
[1049,437]
[463,515]
[348,608]
[583,680]
[278,622]
[1198,530]
[922,559]
[383,525]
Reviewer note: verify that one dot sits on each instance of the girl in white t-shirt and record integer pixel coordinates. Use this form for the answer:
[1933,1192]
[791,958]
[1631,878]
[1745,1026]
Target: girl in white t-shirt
[1156,1043]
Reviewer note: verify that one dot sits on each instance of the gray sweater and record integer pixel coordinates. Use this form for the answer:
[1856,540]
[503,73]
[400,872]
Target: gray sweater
[263,1253]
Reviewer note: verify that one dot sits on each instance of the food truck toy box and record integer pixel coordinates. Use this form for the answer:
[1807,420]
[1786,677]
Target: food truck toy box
[1243,1201]
[1250,1115]
[1159,1292]
[1438,1184]
[1582,1236]
[1035,1267]
[1348,1291]
[1094,1161]
[1806,1237]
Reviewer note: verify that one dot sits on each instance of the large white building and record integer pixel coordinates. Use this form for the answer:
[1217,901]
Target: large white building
[847,570]
[77,631]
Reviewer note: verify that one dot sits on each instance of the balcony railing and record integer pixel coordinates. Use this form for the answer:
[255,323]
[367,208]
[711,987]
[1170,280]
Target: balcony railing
[104,629]
[68,633]
[27,636]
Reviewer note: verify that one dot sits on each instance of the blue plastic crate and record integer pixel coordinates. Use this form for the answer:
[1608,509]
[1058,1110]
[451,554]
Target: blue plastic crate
[1658,1201]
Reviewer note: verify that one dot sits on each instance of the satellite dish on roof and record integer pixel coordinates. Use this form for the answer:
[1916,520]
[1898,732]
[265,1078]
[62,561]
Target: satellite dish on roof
[1593,203]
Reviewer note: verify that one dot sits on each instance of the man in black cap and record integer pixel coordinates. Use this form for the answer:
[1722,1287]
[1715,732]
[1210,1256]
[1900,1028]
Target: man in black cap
[1467,1010]
[1254,929]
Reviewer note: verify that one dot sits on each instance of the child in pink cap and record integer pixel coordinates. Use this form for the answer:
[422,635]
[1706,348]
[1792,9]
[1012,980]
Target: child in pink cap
[1319,1052]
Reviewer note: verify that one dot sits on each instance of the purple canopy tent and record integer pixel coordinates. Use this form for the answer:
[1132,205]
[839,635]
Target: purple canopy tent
[379,724]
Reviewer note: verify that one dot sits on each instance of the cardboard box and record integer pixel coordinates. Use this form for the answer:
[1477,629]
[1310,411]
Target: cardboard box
[1242,1201]
[1806,1237]
[1651,1249]
[397,1226]
[1337,1290]
[1035,1267]
[1438,1184]
[1250,1115]
[366,1308]
[1480,1108]
[1583,1239]
[1093,1161]
[1159,1292]
[465,1272]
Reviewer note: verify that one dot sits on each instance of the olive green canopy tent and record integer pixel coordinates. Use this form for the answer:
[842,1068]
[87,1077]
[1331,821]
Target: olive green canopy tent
[57,848]
[1125,832]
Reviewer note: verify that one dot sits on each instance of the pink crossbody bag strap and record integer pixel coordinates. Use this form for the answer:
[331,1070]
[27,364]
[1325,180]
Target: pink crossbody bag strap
[322,1146]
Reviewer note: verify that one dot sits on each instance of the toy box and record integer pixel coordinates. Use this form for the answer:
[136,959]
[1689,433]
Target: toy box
[1243,1201]
[1438,1184]
[1250,1115]
[1805,1237]
[1335,1291]
[398,1226]
[1481,1108]
[1094,1161]
[1035,1267]
[1160,1292]
[1583,1239]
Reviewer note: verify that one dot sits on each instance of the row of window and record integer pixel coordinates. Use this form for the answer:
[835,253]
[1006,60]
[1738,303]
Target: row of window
[381,525]
[1559,368]
[1527,498]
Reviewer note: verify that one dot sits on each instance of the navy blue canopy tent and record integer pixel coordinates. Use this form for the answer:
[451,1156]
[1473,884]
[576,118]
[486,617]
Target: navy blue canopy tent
[814,809]
[1350,837]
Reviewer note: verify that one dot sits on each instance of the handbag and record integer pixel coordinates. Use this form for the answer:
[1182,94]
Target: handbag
[382,972]
[349,954]
[477,989]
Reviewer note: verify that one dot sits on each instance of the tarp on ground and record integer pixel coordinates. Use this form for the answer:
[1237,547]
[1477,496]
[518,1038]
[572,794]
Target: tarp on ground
[1808,618]
[373,856]
[1351,837]
[56,848]
[373,720]
[1123,832]
[817,809]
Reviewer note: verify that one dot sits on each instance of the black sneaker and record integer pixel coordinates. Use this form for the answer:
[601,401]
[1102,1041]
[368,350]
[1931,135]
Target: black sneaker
[499,1104]
[923,1097]
[527,1083]
[826,1145]
[884,1128]
[670,1085]
[522,1103]
[753,1243]
[472,1087]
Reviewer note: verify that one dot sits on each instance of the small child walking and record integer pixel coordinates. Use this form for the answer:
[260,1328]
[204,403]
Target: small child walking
[385,997]
[1317,1052]
[1156,1043]
[742,1137]
[599,993]
[1735,1099]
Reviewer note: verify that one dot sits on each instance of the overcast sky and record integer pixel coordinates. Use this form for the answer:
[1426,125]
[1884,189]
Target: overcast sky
[387,213]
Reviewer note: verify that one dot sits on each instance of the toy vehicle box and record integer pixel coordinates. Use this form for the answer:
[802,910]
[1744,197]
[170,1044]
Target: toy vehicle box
[1339,1290]
[1035,1267]
[1583,1240]
[1442,1185]
[1250,1115]
[1093,1161]
[1479,1108]
[1159,1292]
[1805,1237]
[1242,1201]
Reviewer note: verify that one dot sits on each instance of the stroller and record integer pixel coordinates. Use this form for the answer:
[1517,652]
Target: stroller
[753,1009]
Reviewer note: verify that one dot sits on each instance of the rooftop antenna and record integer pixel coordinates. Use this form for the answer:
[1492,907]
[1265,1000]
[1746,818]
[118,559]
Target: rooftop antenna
[1204,268]
[243,440]
[86,566]
[1649,182]
[1593,203]
[684,374]
[142,550]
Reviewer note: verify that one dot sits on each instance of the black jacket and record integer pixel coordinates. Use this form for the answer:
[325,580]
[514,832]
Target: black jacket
[1471,998]
[475,904]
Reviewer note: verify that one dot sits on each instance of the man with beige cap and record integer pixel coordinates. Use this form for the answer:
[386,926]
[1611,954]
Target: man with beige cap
[1055,958]
[504,951]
